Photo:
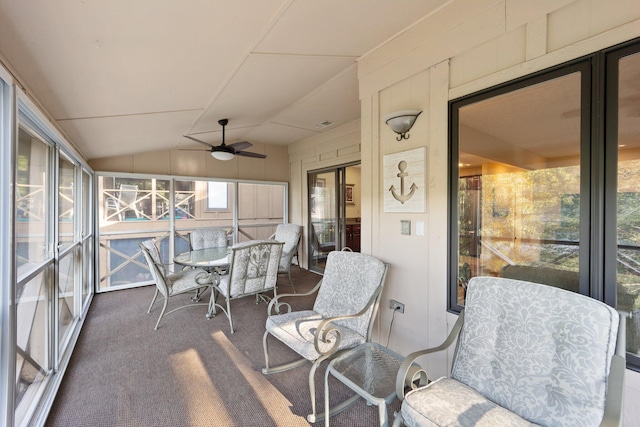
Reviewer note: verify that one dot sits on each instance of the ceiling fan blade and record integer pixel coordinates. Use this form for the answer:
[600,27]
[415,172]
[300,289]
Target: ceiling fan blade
[193,149]
[240,145]
[197,140]
[250,154]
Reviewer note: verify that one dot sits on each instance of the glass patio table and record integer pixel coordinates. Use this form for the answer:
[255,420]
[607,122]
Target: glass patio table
[205,258]
[370,370]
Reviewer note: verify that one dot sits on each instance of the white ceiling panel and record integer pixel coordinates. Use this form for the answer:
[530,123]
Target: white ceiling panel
[338,27]
[320,105]
[124,76]
[266,84]
[113,136]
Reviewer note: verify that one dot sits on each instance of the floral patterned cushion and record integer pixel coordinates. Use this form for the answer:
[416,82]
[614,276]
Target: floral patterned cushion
[540,351]
[350,279]
[446,402]
[204,238]
[254,268]
[297,329]
[289,234]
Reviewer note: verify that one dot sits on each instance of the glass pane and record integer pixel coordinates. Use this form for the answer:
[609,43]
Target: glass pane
[31,337]
[322,212]
[66,215]
[519,185]
[131,210]
[628,203]
[201,204]
[65,296]
[31,206]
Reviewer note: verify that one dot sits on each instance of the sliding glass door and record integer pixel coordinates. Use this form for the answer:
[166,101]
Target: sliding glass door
[334,212]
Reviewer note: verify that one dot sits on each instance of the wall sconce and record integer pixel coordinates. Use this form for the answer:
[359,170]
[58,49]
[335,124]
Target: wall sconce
[401,121]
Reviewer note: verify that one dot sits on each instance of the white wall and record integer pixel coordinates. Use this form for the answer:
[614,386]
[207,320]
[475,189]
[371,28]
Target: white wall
[466,46]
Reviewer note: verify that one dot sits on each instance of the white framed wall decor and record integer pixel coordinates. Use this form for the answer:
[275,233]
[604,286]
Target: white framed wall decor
[405,181]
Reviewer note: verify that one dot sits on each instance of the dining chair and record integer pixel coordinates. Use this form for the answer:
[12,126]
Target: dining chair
[203,238]
[253,270]
[342,316]
[290,235]
[526,354]
[172,284]
[126,201]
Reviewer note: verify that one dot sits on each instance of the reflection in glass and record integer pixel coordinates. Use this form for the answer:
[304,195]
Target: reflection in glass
[628,199]
[65,296]
[66,217]
[519,185]
[322,217]
[31,340]
[31,206]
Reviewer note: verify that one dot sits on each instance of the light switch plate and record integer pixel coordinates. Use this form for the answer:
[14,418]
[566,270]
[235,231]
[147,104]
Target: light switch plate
[419,228]
[405,226]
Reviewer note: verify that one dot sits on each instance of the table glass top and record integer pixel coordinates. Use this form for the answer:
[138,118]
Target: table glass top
[209,257]
[372,367]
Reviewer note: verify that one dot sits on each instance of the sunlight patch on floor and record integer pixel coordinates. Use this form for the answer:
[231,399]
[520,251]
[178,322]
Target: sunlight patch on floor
[271,399]
[193,379]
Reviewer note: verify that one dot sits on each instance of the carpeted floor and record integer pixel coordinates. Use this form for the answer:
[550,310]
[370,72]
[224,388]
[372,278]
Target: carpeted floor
[191,371]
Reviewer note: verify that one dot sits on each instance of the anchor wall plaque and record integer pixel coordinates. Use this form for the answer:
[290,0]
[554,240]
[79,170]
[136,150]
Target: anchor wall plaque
[404,181]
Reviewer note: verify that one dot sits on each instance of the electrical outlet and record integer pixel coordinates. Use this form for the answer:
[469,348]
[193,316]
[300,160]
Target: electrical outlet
[395,305]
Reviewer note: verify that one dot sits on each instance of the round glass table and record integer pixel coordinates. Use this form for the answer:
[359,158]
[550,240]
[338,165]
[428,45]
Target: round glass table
[205,258]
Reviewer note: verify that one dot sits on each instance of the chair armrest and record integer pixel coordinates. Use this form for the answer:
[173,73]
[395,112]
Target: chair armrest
[615,387]
[407,371]
[326,327]
[278,305]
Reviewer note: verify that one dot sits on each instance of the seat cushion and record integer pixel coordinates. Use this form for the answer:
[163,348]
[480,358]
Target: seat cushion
[185,280]
[447,402]
[296,329]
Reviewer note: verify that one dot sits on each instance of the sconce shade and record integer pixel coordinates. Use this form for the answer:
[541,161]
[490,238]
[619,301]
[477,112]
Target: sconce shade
[222,155]
[401,121]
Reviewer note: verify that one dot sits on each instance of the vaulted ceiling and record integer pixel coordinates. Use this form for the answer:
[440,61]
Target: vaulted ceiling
[122,77]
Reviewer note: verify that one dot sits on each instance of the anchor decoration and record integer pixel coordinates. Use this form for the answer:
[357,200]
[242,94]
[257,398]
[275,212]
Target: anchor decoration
[402,167]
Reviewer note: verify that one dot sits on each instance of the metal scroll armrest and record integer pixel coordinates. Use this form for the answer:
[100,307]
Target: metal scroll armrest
[327,327]
[277,305]
[407,373]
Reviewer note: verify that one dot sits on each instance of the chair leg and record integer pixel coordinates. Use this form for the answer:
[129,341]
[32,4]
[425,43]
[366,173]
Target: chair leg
[313,416]
[291,280]
[153,301]
[229,314]
[398,420]
[164,307]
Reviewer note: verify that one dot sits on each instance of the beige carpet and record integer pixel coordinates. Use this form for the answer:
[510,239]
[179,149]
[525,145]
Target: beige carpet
[191,371]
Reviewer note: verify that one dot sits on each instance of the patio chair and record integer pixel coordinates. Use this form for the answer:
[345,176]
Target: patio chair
[290,235]
[125,202]
[172,284]
[203,238]
[341,318]
[526,353]
[253,270]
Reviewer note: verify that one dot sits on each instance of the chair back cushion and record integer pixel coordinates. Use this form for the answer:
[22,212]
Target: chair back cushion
[254,267]
[539,351]
[156,267]
[350,280]
[289,234]
[203,238]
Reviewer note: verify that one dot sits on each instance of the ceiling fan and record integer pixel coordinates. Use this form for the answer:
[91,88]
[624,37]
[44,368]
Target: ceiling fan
[227,152]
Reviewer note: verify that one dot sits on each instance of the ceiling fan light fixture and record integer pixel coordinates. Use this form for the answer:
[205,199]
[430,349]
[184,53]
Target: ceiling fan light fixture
[401,122]
[222,155]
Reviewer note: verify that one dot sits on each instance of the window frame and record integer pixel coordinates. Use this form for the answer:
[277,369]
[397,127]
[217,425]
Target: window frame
[598,171]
